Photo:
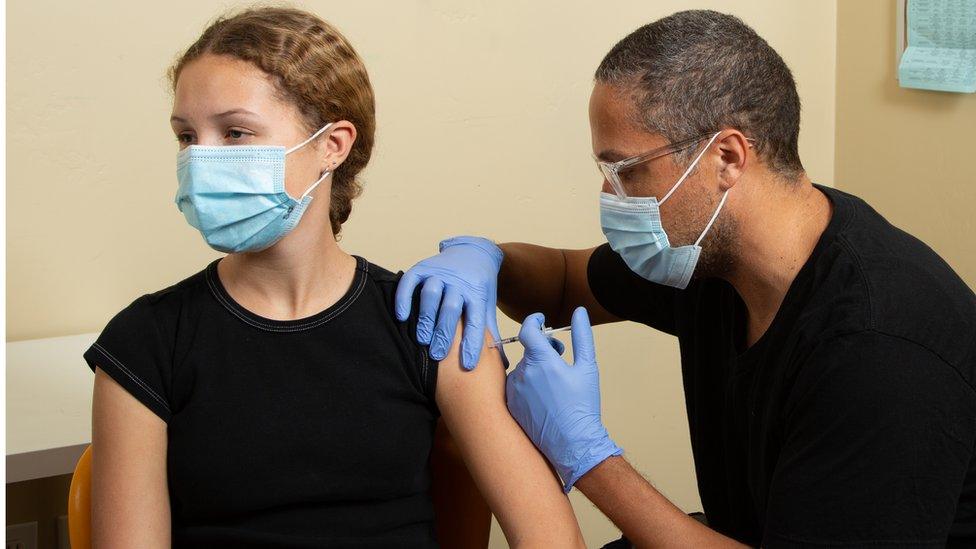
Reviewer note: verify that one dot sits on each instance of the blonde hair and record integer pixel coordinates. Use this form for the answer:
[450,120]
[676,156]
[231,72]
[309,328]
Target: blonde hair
[313,66]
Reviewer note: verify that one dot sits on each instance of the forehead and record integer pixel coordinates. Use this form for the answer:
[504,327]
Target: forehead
[612,106]
[615,124]
[217,81]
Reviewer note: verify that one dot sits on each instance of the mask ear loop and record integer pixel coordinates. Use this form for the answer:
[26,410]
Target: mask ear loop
[316,184]
[688,171]
[714,217]
[302,144]
[309,140]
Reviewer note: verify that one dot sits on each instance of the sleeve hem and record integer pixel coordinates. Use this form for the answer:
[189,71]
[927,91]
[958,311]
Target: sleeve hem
[596,289]
[100,357]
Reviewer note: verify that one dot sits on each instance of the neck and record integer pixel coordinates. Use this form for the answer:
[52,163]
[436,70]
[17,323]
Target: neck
[777,235]
[298,277]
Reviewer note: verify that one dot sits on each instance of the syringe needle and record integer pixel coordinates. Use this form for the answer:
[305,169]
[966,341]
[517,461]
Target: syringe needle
[513,339]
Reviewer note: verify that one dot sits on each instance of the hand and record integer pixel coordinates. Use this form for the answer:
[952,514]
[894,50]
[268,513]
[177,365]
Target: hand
[463,277]
[558,405]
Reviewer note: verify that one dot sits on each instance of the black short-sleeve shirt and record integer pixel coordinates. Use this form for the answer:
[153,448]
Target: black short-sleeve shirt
[852,421]
[302,433]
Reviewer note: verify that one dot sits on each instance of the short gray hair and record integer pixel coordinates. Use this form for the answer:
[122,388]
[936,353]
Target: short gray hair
[700,71]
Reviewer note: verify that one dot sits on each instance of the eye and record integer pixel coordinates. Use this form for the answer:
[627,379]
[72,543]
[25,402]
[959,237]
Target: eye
[628,175]
[237,134]
[185,138]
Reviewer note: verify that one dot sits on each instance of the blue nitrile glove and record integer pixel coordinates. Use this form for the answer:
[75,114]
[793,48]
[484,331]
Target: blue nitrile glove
[557,404]
[464,276]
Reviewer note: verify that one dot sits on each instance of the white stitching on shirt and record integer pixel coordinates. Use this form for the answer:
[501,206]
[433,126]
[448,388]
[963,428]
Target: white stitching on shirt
[298,327]
[131,375]
[424,368]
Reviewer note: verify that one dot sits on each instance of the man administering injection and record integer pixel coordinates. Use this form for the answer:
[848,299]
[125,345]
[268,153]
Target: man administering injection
[828,357]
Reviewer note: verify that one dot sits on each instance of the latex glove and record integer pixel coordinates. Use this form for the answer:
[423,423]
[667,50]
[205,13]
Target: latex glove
[462,278]
[557,404]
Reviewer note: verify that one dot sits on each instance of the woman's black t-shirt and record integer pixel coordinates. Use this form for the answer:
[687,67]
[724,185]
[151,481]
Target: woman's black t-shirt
[302,433]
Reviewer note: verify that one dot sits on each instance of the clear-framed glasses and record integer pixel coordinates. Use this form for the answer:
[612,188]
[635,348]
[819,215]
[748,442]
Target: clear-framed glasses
[611,170]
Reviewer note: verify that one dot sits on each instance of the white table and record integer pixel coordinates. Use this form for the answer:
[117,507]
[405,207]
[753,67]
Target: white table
[49,396]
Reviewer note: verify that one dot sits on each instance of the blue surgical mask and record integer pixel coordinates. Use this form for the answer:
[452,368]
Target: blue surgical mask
[235,195]
[634,230]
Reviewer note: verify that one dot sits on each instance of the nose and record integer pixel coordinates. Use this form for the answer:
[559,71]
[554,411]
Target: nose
[606,187]
[209,139]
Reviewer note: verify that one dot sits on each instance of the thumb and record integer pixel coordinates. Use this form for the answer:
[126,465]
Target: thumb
[583,349]
[531,336]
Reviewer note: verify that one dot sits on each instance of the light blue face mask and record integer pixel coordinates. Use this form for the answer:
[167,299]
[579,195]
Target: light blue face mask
[633,229]
[235,195]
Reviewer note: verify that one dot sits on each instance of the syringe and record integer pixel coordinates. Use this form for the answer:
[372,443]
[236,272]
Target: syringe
[545,331]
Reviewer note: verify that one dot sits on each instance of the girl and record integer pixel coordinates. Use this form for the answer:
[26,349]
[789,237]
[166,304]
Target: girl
[272,399]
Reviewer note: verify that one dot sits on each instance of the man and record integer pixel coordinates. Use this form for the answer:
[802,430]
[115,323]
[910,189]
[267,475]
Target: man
[828,358]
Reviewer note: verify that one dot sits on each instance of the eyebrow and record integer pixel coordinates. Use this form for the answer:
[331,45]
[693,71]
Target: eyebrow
[218,116]
[611,155]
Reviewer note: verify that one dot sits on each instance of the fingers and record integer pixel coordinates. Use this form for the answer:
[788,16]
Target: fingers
[404,294]
[474,334]
[583,349]
[531,336]
[447,320]
[430,303]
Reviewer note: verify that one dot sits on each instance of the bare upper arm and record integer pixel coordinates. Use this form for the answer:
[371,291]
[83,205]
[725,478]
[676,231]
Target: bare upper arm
[130,497]
[548,280]
[521,489]
[577,290]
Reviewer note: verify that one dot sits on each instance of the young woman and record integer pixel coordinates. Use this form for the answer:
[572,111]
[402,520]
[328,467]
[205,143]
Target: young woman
[272,399]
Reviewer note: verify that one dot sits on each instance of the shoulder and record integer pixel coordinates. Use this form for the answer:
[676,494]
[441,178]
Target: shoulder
[150,322]
[380,281]
[895,284]
[382,284]
[136,346]
[163,305]
[378,275]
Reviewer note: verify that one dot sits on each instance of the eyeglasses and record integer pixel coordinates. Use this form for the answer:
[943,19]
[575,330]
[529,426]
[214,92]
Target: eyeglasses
[611,170]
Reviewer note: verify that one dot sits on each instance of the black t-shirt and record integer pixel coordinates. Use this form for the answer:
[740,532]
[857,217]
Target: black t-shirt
[852,421]
[302,433]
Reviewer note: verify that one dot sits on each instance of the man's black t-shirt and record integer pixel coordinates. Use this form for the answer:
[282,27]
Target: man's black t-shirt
[852,420]
[300,433]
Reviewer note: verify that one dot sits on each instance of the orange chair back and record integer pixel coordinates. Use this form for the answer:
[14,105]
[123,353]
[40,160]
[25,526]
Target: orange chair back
[79,503]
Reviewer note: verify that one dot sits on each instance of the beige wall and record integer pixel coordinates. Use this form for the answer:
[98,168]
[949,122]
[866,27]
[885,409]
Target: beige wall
[907,152]
[482,129]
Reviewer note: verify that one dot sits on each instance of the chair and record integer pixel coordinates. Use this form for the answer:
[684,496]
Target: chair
[79,503]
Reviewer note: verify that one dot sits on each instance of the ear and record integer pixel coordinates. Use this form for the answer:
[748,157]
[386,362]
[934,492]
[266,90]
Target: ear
[734,149]
[337,145]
